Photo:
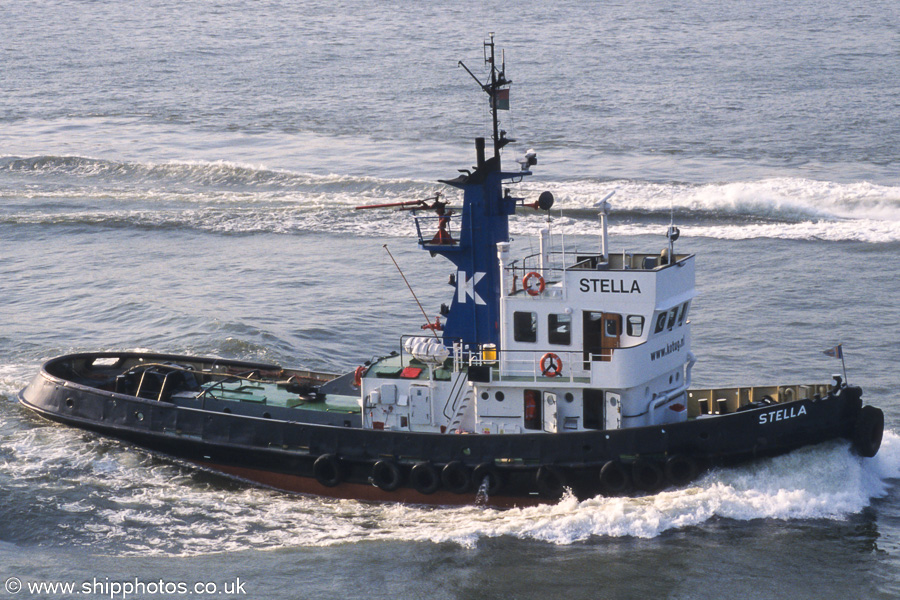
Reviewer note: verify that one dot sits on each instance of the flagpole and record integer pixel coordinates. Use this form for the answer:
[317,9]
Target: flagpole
[838,352]
[843,366]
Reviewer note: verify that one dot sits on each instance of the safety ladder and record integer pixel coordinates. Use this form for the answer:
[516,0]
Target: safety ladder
[456,422]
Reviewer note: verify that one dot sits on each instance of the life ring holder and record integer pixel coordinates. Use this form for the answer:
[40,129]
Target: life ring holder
[541,284]
[551,365]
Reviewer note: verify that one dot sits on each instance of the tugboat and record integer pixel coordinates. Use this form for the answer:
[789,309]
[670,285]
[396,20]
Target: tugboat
[564,370]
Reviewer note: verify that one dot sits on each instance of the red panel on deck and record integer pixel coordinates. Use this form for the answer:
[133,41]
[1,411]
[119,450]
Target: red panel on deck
[410,372]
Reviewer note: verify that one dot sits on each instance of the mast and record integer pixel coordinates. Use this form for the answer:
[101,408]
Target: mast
[494,99]
[494,88]
[470,242]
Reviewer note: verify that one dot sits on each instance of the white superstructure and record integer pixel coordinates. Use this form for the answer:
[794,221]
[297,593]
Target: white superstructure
[587,341]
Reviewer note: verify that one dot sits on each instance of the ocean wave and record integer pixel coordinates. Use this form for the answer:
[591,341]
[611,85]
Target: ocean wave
[233,198]
[780,199]
[199,174]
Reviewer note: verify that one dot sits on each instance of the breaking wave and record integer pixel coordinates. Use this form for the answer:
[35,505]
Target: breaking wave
[225,197]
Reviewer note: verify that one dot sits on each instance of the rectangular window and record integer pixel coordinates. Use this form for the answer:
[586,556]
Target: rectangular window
[525,326]
[635,325]
[672,314]
[559,328]
[660,322]
[612,326]
[683,314]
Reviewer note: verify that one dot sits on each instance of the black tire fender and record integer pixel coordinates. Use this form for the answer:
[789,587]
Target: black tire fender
[386,475]
[647,475]
[455,477]
[868,431]
[614,478]
[681,470]
[550,481]
[328,470]
[424,478]
[495,479]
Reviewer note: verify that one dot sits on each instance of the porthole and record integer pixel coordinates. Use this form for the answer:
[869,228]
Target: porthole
[227,411]
[569,396]
[70,402]
[499,396]
[139,416]
[485,395]
[266,415]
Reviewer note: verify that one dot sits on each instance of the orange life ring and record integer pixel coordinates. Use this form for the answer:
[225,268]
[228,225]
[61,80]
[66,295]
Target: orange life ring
[551,365]
[527,280]
[358,375]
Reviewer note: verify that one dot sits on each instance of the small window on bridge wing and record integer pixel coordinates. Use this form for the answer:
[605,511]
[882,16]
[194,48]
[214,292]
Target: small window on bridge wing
[559,329]
[635,324]
[525,326]
[683,313]
[660,322]
[672,314]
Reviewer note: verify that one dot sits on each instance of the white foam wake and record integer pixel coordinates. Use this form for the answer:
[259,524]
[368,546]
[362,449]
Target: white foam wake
[230,197]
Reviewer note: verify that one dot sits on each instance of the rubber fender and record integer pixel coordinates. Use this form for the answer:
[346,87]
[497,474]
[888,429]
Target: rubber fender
[614,478]
[868,431]
[455,477]
[424,478]
[328,471]
[495,479]
[647,475]
[551,482]
[386,475]
[681,470]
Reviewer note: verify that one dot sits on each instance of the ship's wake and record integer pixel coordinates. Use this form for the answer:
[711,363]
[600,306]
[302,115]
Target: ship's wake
[237,198]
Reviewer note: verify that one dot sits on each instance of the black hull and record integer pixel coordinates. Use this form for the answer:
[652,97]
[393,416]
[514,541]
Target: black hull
[521,469]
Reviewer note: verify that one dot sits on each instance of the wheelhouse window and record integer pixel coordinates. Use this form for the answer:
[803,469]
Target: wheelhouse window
[634,325]
[660,322]
[612,326]
[683,313]
[525,326]
[672,315]
[559,328]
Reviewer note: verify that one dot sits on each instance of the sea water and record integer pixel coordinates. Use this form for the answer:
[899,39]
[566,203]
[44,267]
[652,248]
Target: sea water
[181,176]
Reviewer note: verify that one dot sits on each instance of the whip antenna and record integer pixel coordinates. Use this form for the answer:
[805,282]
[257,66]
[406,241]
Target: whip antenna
[416,298]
